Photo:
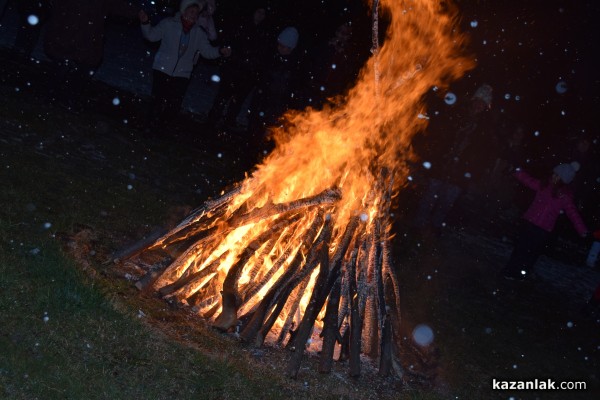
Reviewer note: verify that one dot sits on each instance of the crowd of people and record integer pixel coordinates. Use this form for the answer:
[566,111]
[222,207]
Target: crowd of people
[259,62]
[263,65]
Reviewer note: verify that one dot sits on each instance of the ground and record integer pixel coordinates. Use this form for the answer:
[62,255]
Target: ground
[81,181]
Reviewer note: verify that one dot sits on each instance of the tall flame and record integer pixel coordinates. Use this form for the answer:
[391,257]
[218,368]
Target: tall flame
[346,147]
[373,128]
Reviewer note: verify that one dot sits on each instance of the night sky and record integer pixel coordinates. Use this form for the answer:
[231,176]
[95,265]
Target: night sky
[523,49]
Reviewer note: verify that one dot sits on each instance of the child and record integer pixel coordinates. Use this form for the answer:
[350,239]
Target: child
[551,198]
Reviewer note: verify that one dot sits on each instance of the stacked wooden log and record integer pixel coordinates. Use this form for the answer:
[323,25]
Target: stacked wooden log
[352,282]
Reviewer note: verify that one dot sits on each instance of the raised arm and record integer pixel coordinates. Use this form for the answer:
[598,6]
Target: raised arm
[210,52]
[151,33]
[528,180]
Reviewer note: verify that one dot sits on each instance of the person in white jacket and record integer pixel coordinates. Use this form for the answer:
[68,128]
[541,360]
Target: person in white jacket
[182,41]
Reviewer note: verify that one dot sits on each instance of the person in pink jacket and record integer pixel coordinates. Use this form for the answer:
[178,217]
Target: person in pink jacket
[551,199]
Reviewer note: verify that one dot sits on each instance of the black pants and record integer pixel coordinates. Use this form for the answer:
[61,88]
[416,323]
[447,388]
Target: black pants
[235,86]
[529,246]
[167,96]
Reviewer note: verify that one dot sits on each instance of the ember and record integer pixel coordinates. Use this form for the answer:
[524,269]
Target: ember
[298,255]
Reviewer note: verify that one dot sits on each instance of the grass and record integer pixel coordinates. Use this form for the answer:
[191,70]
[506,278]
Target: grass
[66,340]
[63,333]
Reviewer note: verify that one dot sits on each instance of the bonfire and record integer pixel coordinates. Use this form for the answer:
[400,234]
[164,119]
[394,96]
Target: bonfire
[298,254]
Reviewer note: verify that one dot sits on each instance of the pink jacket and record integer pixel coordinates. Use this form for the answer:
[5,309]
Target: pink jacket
[545,209]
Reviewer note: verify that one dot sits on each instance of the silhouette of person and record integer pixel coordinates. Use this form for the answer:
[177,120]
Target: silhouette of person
[181,43]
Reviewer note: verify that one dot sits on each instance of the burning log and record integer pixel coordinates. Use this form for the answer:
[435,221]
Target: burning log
[197,220]
[150,277]
[230,293]
[192,278]
[356,298]
[330,330]
[289,279]
[320,293]
[264,258]
[354,333]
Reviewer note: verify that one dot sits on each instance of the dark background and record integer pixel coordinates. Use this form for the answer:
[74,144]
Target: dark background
[523,50]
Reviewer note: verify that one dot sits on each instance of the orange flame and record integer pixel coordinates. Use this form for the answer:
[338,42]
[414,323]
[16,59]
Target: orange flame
[344,146]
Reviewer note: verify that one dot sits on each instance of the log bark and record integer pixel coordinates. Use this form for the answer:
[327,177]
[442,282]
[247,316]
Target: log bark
[196,221]
[181,264]
[231,297]
[345,345]
[192,278]
[152,274]
[386,352]
[251,291]
[294,304]
[138,247]
[277,309]
[256,268]
[321,290]
[249,332]
[394,296]
[328,196]
[280,293]
[330,328]
[356,321]
[308,319]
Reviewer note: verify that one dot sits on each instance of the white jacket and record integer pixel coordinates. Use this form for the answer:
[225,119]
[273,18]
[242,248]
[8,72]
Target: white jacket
[167,59]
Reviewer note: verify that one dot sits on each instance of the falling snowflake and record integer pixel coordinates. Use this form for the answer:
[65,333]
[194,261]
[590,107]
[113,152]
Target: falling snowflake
[561,87]
[422,335]
[33,20]
[450,98]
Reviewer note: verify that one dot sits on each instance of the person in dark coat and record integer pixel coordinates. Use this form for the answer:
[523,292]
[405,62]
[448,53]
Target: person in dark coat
[275,89]
[241,72]
[332,68]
